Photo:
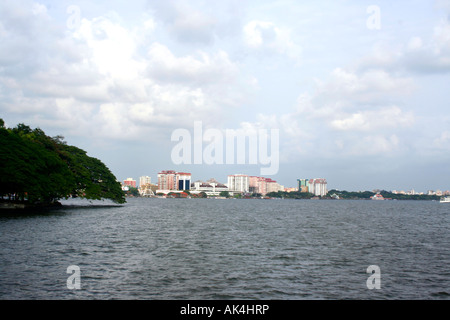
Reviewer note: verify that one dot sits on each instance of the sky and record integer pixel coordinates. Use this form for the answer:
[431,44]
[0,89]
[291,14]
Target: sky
[358,91]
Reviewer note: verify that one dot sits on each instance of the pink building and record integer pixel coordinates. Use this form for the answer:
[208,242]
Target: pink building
[129,182]
[172,180]
[263,185]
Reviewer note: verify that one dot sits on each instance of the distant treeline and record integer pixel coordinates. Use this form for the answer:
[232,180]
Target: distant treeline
[290,195]
[385,194]
[36,168]
[350,195]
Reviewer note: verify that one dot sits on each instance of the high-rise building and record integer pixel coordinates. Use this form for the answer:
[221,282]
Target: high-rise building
[129,182]
[273,186]
[318,187]
[238,182]
[303,185]
[263,185]
[183,181]
[172,180]
[144,180]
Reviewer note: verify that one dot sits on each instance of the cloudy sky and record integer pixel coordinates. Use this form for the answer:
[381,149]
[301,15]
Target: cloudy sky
[358,90]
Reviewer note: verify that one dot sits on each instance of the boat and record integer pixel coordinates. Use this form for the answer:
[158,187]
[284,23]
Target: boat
[445,200]
[377,197]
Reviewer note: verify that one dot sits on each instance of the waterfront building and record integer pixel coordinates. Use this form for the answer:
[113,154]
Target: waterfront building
[257,185]
[167,180]
[318,187]
[273,186]
[211,187]
[146,188]
[238,182]
[303,185]
[263,185]
[144,180]
[183,181]
[172,180]
[129,182]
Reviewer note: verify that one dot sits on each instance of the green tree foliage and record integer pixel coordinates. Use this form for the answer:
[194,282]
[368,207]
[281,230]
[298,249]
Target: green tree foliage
[132,191]
[39,169]
[366,195]
[225,194]
[290,195]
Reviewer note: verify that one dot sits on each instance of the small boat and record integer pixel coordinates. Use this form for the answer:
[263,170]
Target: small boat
[445,200]
[377,197]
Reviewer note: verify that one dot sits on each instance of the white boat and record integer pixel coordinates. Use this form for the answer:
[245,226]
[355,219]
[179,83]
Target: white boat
[377,197]
[445,200]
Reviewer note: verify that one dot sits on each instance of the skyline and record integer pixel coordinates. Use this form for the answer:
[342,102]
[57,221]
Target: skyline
[131,181]
[357,90]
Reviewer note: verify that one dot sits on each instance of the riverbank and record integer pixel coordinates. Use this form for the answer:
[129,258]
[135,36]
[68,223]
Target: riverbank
[14,205]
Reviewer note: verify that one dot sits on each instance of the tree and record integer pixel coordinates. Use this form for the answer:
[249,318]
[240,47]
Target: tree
[225,194]
[132,191]
[30,169]
[93,179]
[39,169]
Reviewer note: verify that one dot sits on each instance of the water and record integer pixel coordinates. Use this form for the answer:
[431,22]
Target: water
[228,249]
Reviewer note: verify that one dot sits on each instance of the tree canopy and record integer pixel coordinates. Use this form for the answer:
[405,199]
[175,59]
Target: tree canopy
[36,168]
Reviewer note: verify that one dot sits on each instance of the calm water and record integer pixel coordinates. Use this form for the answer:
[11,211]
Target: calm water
[228,249]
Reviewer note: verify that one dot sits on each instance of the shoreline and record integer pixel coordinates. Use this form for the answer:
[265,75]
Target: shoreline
[11,205]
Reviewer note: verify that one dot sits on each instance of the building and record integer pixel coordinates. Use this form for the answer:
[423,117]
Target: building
[318,187]
[263,185]
[129,182]
[167,180]
[273,186]
[183,181]
[172,180]
[255,185]
[303,185]
[146,188]
[239,183]
[144,180]
[211,187]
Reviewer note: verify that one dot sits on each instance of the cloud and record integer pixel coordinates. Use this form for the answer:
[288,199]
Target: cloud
[442,142]
[204,69]
[198,22]
[266,36]
[417,55]
[346,91]
[352,113]
[105,79]
[371,120]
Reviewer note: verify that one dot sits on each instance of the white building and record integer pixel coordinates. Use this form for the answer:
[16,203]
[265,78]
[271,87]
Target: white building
[145,186]
[239,183]
[210,187]
[144,180]
[318,187]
